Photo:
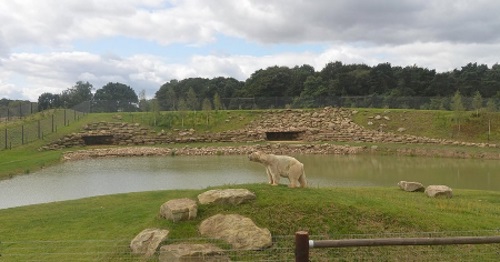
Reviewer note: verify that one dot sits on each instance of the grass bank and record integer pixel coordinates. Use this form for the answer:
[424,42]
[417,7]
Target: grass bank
[471,126]
[102,227]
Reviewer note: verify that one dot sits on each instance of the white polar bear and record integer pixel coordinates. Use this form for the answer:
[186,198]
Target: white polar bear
[280,165]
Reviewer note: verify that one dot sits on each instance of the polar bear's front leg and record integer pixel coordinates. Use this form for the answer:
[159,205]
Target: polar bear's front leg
[274,177]
[269,176]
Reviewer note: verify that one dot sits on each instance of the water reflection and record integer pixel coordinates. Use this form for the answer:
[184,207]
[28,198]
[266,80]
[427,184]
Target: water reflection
[73,180]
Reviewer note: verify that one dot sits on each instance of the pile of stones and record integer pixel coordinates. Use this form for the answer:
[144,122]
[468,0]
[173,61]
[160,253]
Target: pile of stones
[238,231]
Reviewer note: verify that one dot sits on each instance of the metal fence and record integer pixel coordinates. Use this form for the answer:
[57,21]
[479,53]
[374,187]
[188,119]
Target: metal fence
[371,101]
[250,103]
[17,111]
[35,127]
[282,249]
[118,250]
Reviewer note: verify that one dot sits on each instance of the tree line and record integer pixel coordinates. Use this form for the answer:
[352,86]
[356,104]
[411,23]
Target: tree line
[112,97]
[358,85]
[339,84]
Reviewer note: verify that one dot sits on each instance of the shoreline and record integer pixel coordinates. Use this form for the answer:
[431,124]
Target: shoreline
[275,148]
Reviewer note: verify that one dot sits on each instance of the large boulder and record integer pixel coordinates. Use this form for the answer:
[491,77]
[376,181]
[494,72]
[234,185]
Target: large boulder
[237,230]
[439,191]
[179,209]
[191,252]
[147,241]
[226,196]
[411,186]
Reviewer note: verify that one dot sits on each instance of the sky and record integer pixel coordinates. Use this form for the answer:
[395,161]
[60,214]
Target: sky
[49,45]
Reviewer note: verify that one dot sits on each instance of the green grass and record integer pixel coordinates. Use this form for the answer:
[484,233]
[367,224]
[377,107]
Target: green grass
[434,123]
[200,121]
[74,226]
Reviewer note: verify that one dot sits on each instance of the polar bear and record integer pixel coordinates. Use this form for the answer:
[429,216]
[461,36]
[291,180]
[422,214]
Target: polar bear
[280,165]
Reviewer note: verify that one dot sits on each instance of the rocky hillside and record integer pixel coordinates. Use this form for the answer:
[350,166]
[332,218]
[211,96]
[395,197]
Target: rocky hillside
[322,125]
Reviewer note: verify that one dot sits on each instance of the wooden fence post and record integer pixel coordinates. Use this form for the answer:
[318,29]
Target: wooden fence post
[301,246]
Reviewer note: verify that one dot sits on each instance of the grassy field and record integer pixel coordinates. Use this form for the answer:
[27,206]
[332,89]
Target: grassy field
[483,128]
[101,228]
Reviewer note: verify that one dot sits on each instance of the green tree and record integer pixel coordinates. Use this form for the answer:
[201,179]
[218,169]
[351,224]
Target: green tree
[115,97]
[48,101]
[170,99]
[155,109]
[207,107]
[167,95]
[299,74]
[270,83]
[217,102]
[382,79]
[435,103]
[471,78]
[477,102]
[192,100]
[458,107]
[80,92]
[144,105]
[182,107]
[226,88]
[442,84]
[313,89]
[491,106]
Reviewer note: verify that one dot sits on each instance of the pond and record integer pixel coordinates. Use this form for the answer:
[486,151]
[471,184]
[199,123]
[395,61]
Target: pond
[79,179]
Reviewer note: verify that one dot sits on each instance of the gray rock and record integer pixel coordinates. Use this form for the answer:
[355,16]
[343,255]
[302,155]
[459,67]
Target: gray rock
[191,252]
[411,186]
[179,209]
[226,196]
[237,230]
[439,191]
[147,241]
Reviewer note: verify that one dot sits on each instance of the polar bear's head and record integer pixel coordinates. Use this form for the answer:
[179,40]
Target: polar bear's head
[255,156]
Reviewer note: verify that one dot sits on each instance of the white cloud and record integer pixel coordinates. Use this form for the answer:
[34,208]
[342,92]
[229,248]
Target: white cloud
[39,49]
[55,24]
[58,23]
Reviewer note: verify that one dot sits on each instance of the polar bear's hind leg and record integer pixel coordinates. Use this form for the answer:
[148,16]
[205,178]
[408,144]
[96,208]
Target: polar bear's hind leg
[303,180]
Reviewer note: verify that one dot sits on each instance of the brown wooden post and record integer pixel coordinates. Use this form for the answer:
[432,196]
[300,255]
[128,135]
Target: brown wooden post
[39,130]
[6,137]
[301,246]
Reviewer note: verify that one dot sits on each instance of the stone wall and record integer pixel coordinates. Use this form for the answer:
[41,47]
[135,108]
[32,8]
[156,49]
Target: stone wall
[322,125]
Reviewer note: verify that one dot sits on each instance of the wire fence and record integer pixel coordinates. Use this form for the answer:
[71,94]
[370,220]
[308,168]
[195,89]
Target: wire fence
[251,103]
[35,127]
[17,111]
[283,249]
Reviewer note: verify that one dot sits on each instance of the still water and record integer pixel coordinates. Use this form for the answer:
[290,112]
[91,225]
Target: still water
[79,179]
